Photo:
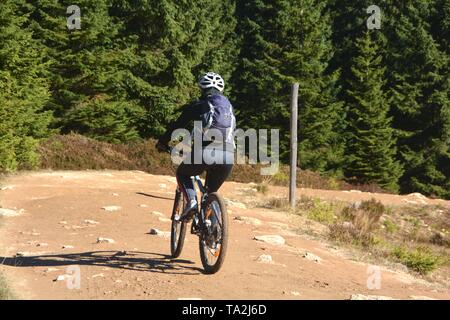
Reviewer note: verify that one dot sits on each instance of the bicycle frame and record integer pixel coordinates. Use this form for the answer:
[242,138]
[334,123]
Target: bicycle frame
[200,185]
[204,194]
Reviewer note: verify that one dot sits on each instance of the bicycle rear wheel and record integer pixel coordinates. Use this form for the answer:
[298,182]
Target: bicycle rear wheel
[214,240]
[178,229]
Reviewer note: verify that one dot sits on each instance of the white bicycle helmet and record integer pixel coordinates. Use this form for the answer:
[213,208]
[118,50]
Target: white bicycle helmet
[212,80]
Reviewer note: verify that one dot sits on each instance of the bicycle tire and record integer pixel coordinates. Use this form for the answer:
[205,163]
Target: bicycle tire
[211,269]
[176,245]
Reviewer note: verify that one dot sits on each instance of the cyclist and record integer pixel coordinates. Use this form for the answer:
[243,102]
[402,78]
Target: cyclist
[214,111]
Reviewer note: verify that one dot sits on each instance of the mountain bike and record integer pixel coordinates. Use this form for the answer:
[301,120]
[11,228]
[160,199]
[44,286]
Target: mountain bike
[209,223]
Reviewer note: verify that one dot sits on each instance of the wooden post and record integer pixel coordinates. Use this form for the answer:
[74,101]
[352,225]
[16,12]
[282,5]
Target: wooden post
[294,120]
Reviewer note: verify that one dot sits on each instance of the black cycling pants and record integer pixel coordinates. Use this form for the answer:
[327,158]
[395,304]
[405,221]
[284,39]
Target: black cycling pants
[216,173]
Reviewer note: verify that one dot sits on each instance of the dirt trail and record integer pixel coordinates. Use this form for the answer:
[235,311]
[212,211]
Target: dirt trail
[62,219]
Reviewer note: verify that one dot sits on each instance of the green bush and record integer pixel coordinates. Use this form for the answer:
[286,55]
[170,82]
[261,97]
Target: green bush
[322,212]
[390,226]
[421,259]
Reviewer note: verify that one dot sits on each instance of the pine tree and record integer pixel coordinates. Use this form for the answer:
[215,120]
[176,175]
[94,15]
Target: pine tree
[283,42]
[174,42]
[371,149]
[23,90]
[87,68]
[419,82]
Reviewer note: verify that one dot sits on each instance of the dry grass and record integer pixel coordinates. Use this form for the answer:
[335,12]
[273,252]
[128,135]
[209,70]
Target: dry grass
[359,221]
[417,237]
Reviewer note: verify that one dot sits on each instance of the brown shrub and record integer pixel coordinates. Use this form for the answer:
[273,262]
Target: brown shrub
[77,152]
[363,217]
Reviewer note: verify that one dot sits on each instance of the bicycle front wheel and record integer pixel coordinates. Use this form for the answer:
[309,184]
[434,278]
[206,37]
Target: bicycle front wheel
[213,241]
[178,229]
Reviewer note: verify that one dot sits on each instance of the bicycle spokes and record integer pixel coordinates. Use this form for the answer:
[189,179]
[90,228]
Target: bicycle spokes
[213,233]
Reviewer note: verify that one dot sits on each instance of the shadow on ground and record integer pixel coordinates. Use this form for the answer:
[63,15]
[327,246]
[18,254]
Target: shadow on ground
[128,260]
[153,196]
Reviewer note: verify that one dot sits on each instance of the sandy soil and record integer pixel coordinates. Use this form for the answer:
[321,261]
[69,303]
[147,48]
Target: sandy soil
[60,219]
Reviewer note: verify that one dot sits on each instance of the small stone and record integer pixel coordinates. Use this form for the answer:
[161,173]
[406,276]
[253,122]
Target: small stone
[115,194]
[98,275]
[90,222]
[23,254]
[156,213]
[271,239]
[105,240]
[417,195]
[61,277]
[265,258]
[111,208]
[63,222]
[164,219]
[295,293]
[159,233]
[42,244]
[369,297]
[249,220]
[312,257]
[143,205]
[67,247]
[8,213]
[77,227]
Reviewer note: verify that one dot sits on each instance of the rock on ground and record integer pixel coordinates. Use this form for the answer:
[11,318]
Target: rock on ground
[235,204]
[271,239]
[417,195]
[8,213]
[165,234]
[249,220]
[369,297]
[90,222]
[111,208]
[265,258]
[312,257]
[105,240]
